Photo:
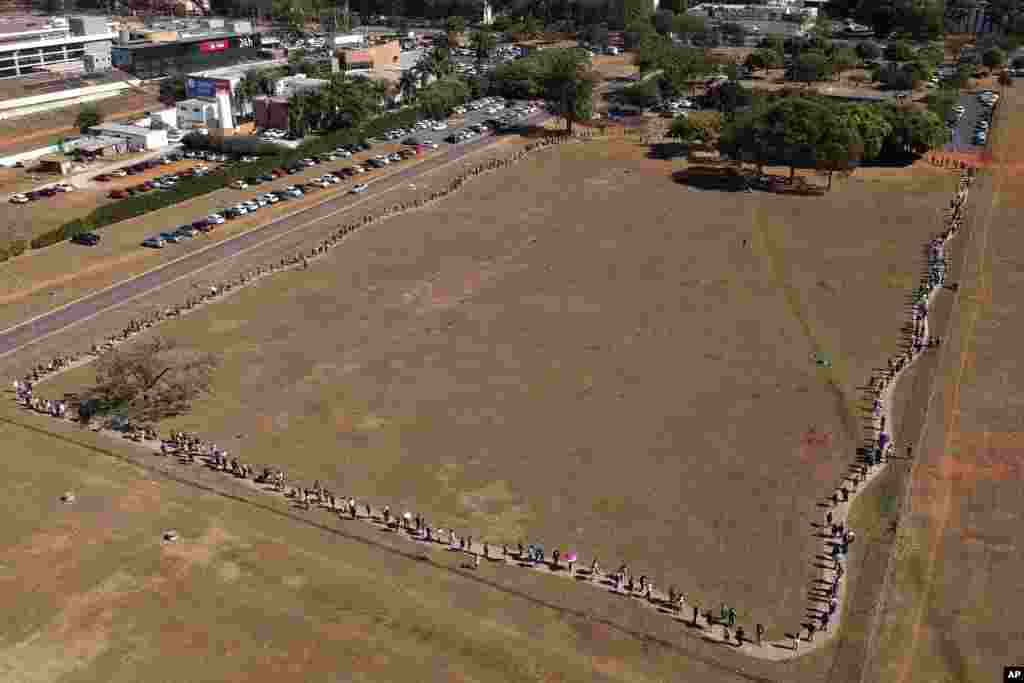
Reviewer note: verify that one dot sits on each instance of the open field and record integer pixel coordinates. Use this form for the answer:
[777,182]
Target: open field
[953,602]
[599,373]
[249,594]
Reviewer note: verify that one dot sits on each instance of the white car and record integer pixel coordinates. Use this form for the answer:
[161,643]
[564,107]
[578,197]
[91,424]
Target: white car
[359,169]
[271,198]
[440,125]
[240,185]
[19,199]
[293,191]
[361,187]
[215,219]
[460,110]
[119,173]
[240,209]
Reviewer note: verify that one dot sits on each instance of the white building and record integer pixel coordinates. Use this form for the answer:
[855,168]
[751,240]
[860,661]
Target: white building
[196,113]
[292,85]
[138,138]
[28,43]
[350,40]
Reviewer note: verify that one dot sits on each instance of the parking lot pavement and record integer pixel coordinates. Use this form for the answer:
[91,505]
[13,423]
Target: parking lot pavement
[455,123]
[963,135]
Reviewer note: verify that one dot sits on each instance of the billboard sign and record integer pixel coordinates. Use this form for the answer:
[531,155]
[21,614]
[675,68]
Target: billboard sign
[213,46]
[206,88]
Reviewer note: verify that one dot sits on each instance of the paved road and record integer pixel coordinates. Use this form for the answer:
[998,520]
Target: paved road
[962,139]
[19,336]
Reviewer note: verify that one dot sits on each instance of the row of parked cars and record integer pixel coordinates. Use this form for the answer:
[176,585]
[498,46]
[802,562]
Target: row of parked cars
[290,192]
[166,181]
[35,195]
[987,99]
[421,126]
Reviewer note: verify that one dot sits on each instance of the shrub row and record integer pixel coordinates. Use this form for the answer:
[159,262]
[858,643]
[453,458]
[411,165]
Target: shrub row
[222,177]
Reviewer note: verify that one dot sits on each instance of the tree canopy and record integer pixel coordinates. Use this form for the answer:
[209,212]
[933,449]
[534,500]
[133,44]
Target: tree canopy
[89,115]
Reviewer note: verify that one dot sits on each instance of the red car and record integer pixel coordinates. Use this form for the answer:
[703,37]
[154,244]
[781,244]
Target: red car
[102,177]
[117,194]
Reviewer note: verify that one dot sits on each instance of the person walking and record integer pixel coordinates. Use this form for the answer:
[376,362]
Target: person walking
[759,630]
[732,617]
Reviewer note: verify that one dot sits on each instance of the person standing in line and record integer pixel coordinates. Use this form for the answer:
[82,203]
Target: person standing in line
[759,630]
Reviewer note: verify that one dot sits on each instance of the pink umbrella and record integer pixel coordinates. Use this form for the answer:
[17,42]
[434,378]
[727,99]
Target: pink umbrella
[572,557]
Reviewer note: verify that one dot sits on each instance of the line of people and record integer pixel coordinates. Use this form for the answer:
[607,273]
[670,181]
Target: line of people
[189,447]
[880,446]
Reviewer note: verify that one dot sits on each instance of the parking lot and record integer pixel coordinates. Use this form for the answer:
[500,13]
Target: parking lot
[963,135]
[494,110]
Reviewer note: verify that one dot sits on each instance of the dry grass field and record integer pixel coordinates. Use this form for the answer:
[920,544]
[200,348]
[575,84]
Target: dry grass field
[605,367]
[952,610]
[92,593]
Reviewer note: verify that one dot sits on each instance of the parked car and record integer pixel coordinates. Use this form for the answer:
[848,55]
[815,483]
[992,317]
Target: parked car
[89,239]
[215,219]
[188,230]
[154,242]
[19,199]
[240,185]
[102,177]
[361,187]
[170,237]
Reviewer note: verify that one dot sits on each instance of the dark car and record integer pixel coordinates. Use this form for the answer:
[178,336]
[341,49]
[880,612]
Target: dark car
[89,239]
[362,146]
[267,178]
[48,191]
[34,195]
[254,181]
[102,177]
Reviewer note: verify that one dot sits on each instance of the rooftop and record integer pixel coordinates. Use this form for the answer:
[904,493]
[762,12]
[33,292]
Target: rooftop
[44,83]
[139,44]
[121,128]
[238,70]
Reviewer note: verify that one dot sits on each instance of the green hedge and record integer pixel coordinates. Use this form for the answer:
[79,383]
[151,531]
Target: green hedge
[138,205]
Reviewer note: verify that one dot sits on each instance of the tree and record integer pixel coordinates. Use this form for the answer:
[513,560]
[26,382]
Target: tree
[439,98]
[734,33]
[89,115]
[633,10]
[839,149]
[680,66]
[407,84]
[596,34]
[638,31]
[993,58]
[774,43]
[644,94]
[810,67]
[912,132]
[900,77]
[663,20]
[727,97]
[942,102]
[899,51]
[843,59]
[568,85]
[682,130]
[149,381]
[172,89]
[871,125]
[707,124]
[483,43]
[685,26]
[675,6]
[868,51]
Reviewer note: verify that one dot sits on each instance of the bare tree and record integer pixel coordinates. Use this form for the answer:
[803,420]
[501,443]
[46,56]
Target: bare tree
[149,381]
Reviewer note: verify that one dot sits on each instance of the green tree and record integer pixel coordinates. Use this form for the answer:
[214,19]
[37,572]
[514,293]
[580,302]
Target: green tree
[682,130]
[811,67]
[89,115]
[568,85]
[407,84]
[663,20]
[993,58]
[871,125]
[843,59]
[638,31]
[675,6]
[685,26]
[680,66]
[912,132]
[899,51]
[942,102]
[644,94]
[774,43]
[439,98]
[633,10]
[596,34]
[868,51]
[483,43]
[734,33]
[839,149]
[728,97]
